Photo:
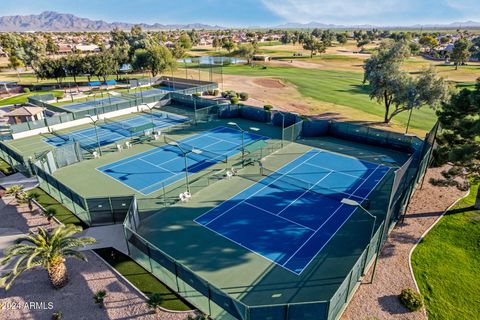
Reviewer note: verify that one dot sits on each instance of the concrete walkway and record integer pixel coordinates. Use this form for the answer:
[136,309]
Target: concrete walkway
[107,237]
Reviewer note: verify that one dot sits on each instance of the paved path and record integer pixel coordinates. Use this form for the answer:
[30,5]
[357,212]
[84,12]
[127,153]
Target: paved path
[380,299]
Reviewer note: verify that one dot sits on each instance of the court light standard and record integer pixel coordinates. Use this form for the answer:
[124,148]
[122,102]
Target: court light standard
[243,136]
[354,203]
[283,124]
[96,132]
[185,153]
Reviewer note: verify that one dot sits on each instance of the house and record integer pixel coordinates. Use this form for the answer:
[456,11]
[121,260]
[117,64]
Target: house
[84,48]
[24,114]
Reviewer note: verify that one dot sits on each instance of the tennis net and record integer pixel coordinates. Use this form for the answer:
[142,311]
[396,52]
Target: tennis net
[118,125]
[202,155]
[285,182]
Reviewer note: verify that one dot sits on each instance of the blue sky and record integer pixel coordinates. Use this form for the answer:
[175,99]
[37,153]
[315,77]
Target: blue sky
[257,12]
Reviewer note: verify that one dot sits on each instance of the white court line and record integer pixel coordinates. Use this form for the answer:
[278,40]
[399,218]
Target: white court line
[371,190]
[321,226]
[159,167]
[257,190]
[341,172]
[286,219]
[181,172]
[304,193]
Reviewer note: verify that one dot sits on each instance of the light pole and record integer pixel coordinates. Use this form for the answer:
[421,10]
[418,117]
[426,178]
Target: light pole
[354,203]
[283,124]
[96,132]
[184,153]
[243,136]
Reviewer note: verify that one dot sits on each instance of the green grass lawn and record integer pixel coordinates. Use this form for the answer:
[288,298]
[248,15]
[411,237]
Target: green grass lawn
[143,280]
[22,98]
[447,264]
[5,168]
[64,215]
[338,87]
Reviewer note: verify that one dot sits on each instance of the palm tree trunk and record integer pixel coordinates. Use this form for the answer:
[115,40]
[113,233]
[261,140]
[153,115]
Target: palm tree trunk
[58,275]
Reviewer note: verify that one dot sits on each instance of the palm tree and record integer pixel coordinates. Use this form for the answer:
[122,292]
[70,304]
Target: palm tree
[28,197]
[50,213]
[46,249]
[15,190]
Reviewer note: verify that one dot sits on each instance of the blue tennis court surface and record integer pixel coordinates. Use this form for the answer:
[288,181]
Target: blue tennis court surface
[291,214]
[91,103]
[152,170]
[109,133]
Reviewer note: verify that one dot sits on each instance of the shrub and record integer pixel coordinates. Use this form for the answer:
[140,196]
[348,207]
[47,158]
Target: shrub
[57,315]
[243,96]
[411,299]
[215,92]
[99,296]
[26,90]
[268,107]
[154,301]
[234,100]
[196,94]
[224,94]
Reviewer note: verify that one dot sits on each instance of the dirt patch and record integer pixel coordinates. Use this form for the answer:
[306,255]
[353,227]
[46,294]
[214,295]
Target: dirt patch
[269,83]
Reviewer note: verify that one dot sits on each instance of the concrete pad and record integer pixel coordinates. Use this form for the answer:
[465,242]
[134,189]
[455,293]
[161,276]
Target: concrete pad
[111,236]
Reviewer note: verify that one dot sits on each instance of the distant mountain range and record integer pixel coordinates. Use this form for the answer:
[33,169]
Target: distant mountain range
[312,25]
[54,21]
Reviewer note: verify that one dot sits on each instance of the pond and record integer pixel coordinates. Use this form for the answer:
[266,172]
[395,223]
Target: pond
[212,60]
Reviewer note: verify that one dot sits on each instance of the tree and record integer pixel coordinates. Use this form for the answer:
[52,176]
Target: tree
[34,50]
[426,90]
[246,51]
[286,38]
[51,46]
[156,58]
[228,45]
[342,38]
[154,301]
[458,140]
[178,51]
[361,43]
[428,42]
[73,64]
[15,190]
[46,249]
[185,41]
[327,37]
[460,53]
[383,73]
[314,46]
[104,64]
[15,63]
[216,43]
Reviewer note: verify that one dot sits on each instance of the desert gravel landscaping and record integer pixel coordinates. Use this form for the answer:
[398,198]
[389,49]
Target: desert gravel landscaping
[75,300]
[380,299]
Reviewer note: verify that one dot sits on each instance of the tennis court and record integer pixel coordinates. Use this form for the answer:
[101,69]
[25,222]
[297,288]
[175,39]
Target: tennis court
[152,92]
[110,132]
[291,214]
[91,103]
[152,170]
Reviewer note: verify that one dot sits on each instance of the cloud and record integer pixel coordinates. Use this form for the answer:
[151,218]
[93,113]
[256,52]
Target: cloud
[372,11]
[330,10]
